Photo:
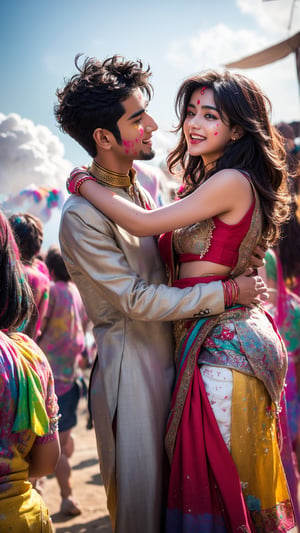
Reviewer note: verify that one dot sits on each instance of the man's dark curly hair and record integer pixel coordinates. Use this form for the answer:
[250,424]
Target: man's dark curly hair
[93,97]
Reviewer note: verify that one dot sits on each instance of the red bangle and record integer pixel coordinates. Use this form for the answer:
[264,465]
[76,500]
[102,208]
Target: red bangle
[78,170]
[74,182]
[231,292]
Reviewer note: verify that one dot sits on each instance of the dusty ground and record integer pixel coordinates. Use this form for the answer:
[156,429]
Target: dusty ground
[87,485]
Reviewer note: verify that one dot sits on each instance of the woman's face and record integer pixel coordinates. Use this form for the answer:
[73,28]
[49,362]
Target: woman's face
[205,133]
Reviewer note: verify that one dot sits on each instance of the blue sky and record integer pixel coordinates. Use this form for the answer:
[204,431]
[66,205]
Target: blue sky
[39,40]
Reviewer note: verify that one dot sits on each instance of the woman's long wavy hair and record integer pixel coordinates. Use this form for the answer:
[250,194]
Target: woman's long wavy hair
[16,299]
[260,150]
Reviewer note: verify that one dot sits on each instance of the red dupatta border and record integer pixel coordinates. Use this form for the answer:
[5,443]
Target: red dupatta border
[184,372]
[197,452]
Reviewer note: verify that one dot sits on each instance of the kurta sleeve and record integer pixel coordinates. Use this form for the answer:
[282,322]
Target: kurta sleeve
[109,264]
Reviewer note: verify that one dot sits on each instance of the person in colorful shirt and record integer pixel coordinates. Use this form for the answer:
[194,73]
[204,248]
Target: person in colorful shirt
[28,232]
[63,341]
[227,471]
[29,445]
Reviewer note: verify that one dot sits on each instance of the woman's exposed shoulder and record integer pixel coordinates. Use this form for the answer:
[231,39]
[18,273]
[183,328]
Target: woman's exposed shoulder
[238,181]
[234,174]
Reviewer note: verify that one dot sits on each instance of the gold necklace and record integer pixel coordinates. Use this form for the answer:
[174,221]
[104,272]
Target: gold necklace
[109,177]
[117,179]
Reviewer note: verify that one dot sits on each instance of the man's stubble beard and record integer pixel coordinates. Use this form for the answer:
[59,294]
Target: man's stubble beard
[146,157]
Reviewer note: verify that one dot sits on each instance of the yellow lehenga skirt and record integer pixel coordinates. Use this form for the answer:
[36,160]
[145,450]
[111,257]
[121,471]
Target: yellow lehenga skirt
[255,451]
[194,445]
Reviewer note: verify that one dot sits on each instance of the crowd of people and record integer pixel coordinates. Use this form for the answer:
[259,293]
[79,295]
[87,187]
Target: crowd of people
[194,392]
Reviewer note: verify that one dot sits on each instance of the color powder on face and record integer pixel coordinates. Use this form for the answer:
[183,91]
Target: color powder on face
[216,133]
[202,90]
[129,147]
[198,102]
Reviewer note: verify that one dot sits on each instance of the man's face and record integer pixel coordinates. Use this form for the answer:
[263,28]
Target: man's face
[136,127]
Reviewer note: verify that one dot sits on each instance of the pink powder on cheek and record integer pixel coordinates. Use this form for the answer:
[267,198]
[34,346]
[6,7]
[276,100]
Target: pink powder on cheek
[128,144]
[141,134]
[129,147]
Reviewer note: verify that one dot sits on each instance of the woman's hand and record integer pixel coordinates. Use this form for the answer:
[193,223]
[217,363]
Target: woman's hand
[252,289]
[258,256]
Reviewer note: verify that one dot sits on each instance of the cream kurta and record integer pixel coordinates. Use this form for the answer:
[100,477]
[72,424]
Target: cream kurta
[122,283]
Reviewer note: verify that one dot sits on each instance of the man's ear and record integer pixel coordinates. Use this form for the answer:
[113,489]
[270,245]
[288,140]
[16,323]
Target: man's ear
[237,133]
[102,138]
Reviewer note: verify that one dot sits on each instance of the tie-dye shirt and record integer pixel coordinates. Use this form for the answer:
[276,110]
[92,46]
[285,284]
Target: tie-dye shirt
[63,338]
[28,415]
[40,285]
[28,404]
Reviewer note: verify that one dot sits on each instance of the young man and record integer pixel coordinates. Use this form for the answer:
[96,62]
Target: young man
[122,282]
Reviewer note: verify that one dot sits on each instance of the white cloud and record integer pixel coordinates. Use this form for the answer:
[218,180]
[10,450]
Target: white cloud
[271,16]
[220,44]
[30,154]
[213,47]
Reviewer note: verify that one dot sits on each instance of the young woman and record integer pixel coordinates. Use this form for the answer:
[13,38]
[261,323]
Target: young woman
[29,233]
[29,444]
[222,438]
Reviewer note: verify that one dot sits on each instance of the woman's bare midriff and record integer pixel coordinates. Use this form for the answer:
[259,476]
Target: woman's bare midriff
[197,269]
